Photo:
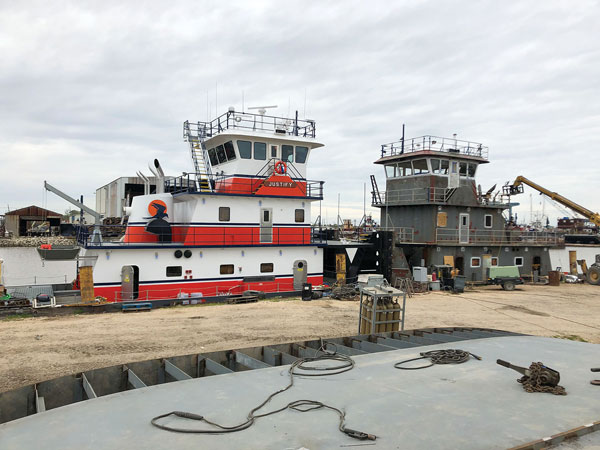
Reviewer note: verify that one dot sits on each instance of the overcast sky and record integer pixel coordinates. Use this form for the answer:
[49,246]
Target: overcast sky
[91,91]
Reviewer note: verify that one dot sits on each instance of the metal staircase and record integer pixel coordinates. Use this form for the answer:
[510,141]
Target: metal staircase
[448,193]
[195,134]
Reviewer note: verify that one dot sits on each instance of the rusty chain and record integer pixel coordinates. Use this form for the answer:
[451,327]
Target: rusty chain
[532,383]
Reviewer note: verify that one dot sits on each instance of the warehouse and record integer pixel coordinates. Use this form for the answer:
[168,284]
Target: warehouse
[32,221]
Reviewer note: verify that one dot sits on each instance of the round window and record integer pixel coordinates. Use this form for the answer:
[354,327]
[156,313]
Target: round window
[300,265]
[178,253]
[187,253]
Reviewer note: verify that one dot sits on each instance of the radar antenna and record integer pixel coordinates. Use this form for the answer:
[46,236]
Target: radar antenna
[262,110]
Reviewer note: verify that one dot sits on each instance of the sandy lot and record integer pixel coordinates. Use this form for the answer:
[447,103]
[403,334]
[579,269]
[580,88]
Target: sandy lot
[38,349]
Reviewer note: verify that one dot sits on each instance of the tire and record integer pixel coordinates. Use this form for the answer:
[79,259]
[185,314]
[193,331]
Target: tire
[508,285]
[593,275]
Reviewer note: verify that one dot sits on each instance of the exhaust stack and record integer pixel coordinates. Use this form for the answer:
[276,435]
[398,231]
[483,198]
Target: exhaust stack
[157,171]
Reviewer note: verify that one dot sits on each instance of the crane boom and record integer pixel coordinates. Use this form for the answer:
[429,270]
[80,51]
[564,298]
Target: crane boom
[516,188]
[96,236]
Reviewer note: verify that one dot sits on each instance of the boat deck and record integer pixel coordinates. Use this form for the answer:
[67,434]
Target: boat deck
[473,405]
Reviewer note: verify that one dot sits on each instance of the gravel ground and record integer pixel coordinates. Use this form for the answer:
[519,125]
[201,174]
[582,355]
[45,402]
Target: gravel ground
[37,349]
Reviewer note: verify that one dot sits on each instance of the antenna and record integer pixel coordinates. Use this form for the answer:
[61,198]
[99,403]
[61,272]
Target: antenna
[262,110]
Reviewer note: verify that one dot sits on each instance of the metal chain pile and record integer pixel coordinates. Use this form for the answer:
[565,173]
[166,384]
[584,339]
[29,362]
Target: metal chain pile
[533,383]
[344,292]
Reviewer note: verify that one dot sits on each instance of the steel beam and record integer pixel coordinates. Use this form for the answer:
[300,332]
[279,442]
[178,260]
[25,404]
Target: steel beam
[87,387]
[40,404]
[249,361]
[175,371]
[134,380]
[214,367]
[370,347]
[277,357]
[396,343]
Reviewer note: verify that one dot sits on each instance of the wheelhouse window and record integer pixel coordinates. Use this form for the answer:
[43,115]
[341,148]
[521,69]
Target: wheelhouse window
[224,214]
[287,153]
[301,154]
[463,169]
[212,154]
[390,171]
[245,149]
[260,150]
[445,165]
[475,262]
[299,215]
[471,168]
[519,261]
[266,267]
[404,169]
[226,269]
[273,151]
[229,151]
[435,166]
[174,271]
[420,167]
[494,260]
[487,221]
[221,154]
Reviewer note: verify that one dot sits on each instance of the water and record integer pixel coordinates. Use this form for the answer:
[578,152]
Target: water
[23,266]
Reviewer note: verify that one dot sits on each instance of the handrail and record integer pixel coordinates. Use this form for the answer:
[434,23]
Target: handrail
[255,122]
[435,144]
[498,237]
[205,235]
[420,195]
[247,186]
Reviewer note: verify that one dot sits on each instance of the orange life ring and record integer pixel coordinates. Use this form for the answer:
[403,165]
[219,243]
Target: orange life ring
[280,168]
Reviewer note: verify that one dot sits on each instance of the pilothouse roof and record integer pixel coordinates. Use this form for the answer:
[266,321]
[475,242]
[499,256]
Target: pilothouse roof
[250,124]
[433,146]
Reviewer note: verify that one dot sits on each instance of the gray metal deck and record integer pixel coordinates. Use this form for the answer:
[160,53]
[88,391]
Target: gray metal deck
[473,405]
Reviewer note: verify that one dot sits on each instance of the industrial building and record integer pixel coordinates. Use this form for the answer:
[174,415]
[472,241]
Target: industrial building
[31,221]
[113,197]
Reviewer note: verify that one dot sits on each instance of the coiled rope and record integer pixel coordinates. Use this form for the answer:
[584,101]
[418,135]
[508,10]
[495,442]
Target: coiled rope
[449,356]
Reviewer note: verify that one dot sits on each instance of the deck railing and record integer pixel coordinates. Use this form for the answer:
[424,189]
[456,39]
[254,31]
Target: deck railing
[231,184]
[233,120]
[435,144]
[186,234]
[414,196]
[497,237]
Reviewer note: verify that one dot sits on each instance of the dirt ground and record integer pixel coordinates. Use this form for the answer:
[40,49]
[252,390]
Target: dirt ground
[37,349]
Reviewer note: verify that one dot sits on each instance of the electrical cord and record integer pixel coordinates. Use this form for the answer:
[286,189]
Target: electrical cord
[449,356]
[301,367]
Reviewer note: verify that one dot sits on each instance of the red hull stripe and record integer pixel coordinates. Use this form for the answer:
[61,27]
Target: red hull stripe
[206,288]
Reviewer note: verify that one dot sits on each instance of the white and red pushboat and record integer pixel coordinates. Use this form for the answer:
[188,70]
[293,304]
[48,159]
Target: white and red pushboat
[240,222]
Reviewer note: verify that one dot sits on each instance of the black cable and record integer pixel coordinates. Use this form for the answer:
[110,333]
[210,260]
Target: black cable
[300,367]
[449,356]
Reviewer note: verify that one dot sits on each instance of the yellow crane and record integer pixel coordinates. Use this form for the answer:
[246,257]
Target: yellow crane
[517,188]
[593,272]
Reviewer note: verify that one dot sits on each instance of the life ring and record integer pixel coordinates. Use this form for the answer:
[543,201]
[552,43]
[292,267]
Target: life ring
[280,168]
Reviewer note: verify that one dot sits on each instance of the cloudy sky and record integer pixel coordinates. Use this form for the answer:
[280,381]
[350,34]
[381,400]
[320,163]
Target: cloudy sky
[91,91]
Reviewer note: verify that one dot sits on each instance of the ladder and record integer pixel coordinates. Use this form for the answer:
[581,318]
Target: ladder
[199,154]
[376,200]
